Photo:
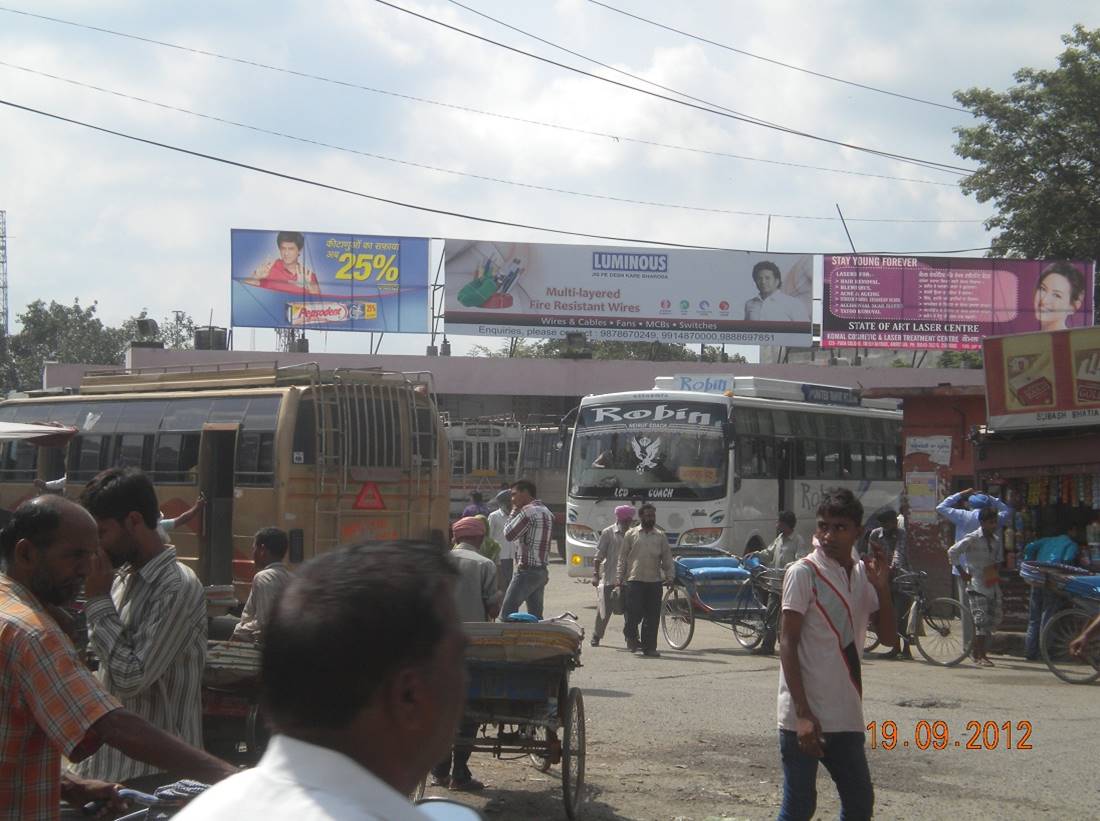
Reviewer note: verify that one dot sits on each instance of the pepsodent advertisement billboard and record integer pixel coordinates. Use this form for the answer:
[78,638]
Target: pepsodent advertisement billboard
[949,303]
[1043,380]
[330,282]
[627,294]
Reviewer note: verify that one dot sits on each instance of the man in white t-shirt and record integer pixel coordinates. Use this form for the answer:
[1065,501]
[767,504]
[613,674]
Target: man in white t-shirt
[828,598]
[772,304]
[498,520]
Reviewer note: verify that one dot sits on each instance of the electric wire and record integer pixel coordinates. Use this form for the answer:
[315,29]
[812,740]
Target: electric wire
[466,109]
[938,166]
[820,74]
[467,174]
[413,206]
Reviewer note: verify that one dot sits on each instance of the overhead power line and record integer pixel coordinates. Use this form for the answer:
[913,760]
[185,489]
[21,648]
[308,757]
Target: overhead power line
[414,206]
[686,103]
[467,174]
[780,63]
[466,109]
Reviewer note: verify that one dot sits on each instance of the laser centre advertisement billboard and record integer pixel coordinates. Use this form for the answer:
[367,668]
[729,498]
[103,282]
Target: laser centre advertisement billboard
[1043,380]
[330,282]
[627,294]
[948,302]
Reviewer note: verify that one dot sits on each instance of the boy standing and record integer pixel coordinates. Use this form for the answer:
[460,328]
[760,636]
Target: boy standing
[828,598]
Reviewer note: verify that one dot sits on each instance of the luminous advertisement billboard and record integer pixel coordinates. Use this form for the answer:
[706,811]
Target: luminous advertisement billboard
[946,302]
[627,294]
[1043,380]
[331,282]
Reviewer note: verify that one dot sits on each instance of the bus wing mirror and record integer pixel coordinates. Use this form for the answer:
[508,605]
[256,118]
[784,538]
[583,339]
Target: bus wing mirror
[727,433]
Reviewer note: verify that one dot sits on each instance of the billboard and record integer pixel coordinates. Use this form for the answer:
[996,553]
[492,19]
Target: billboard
[1043,380]
[945,302]
[330,282]
[627,294]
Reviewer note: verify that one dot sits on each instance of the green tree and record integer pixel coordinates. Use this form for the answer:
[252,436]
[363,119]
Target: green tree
[1037,146]
[176,332]
[960,359]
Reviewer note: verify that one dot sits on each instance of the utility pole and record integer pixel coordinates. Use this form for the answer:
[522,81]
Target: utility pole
[6,361]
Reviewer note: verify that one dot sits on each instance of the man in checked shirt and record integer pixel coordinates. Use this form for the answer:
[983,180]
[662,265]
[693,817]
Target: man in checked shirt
[530,528]
[146,623]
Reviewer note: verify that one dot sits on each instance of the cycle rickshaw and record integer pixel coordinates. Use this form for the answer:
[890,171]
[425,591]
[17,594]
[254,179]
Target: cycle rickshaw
[1080,593]
[522,701]
[722,589]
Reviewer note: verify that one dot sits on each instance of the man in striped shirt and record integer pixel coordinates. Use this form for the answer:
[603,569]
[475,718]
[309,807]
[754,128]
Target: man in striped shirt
[530,528]
[268,549]
[147,623]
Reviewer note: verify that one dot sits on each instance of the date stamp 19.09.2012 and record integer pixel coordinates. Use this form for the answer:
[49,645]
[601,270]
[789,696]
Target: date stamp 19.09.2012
[938,735]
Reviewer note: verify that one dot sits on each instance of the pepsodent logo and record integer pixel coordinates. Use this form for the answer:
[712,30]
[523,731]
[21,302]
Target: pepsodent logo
[320,313]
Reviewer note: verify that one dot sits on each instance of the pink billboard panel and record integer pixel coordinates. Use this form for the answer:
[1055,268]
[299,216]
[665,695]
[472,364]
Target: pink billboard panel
[949,302]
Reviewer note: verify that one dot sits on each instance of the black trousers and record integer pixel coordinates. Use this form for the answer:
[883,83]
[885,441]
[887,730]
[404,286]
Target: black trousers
[643,606]
[456,764]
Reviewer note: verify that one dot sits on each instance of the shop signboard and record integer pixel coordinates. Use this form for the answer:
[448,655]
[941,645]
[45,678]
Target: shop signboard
[948,303]
[330,282]
[627,294]
[1043,380]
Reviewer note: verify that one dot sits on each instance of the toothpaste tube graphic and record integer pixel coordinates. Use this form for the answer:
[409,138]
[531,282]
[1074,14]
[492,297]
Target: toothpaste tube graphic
[320,313]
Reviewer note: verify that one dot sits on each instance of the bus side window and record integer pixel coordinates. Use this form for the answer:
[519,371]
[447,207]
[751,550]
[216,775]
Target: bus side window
[810,466]
[830,459]
[87,457]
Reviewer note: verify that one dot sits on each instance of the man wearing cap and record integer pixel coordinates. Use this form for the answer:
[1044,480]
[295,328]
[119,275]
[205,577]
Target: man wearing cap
[476,599]
[607,562]
[965,521]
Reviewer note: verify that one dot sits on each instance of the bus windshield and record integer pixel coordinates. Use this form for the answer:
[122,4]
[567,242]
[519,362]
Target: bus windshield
[649,450]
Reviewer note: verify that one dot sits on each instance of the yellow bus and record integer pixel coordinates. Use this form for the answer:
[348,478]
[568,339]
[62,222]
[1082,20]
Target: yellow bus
[329,456]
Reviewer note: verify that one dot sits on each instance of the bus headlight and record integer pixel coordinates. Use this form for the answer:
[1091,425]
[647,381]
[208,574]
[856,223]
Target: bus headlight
[577,558]
[700,536]
[583,534]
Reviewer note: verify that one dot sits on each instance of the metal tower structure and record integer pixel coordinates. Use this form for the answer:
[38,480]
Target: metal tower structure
[3,275]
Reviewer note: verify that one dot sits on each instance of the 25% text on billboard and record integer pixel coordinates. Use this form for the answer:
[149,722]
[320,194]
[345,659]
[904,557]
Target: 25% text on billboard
[362,267]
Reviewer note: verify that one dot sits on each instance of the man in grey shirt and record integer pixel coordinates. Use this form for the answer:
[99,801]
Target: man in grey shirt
[984,553]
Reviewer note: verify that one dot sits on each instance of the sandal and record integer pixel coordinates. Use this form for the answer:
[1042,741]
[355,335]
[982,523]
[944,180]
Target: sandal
[984,662]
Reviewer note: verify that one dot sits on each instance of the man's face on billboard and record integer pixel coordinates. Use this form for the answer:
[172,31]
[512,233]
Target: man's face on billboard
[766,281]
[289,253]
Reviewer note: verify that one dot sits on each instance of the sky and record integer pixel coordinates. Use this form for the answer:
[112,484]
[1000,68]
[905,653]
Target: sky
[99,218]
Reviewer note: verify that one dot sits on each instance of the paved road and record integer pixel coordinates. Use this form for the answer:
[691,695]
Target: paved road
[691,735]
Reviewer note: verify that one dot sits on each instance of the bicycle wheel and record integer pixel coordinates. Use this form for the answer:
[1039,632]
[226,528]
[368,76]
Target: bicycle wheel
[677,618]
[939,632]
[748,618]
[573,753]
[1054,642]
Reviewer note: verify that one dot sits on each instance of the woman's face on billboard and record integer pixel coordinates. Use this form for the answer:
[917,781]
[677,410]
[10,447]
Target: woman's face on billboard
[1054,302]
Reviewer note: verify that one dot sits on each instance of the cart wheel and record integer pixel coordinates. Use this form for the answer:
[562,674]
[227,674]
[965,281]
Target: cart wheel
[1063,628]
[748,618]
[572,753]
[677,618]
[419,789]
[940,633]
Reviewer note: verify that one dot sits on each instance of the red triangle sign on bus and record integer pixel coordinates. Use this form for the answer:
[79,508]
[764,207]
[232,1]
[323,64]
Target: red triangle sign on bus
[369,498]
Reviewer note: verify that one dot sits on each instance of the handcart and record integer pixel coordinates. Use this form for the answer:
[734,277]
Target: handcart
[725,590]
[1080,593]
[233,724]
[520,697]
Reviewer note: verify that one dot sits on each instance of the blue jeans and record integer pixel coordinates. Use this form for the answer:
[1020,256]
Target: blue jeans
[525,588]
[846,762]
[1041,606]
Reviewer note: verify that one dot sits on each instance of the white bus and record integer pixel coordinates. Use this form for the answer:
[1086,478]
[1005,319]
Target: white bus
[722,458]
[484,454]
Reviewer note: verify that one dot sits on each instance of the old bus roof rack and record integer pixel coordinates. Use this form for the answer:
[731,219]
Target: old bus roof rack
[239,375]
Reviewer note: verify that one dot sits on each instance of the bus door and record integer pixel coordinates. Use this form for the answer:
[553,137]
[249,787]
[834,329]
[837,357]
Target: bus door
[217,462]
[787,455]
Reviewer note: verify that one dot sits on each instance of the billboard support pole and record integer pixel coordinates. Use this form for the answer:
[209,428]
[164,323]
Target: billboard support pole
[768,235]
[436,287]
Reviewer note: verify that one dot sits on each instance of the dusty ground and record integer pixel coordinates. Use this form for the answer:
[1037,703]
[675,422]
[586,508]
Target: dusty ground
[692,736]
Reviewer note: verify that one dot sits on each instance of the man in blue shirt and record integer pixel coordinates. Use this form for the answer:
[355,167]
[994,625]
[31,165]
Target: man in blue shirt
[1042,603]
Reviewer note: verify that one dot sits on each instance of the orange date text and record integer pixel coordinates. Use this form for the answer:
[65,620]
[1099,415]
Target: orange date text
[937,735]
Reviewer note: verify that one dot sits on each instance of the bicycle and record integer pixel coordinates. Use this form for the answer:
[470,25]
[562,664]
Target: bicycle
[934,626]
[1083,603]
[757,607]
